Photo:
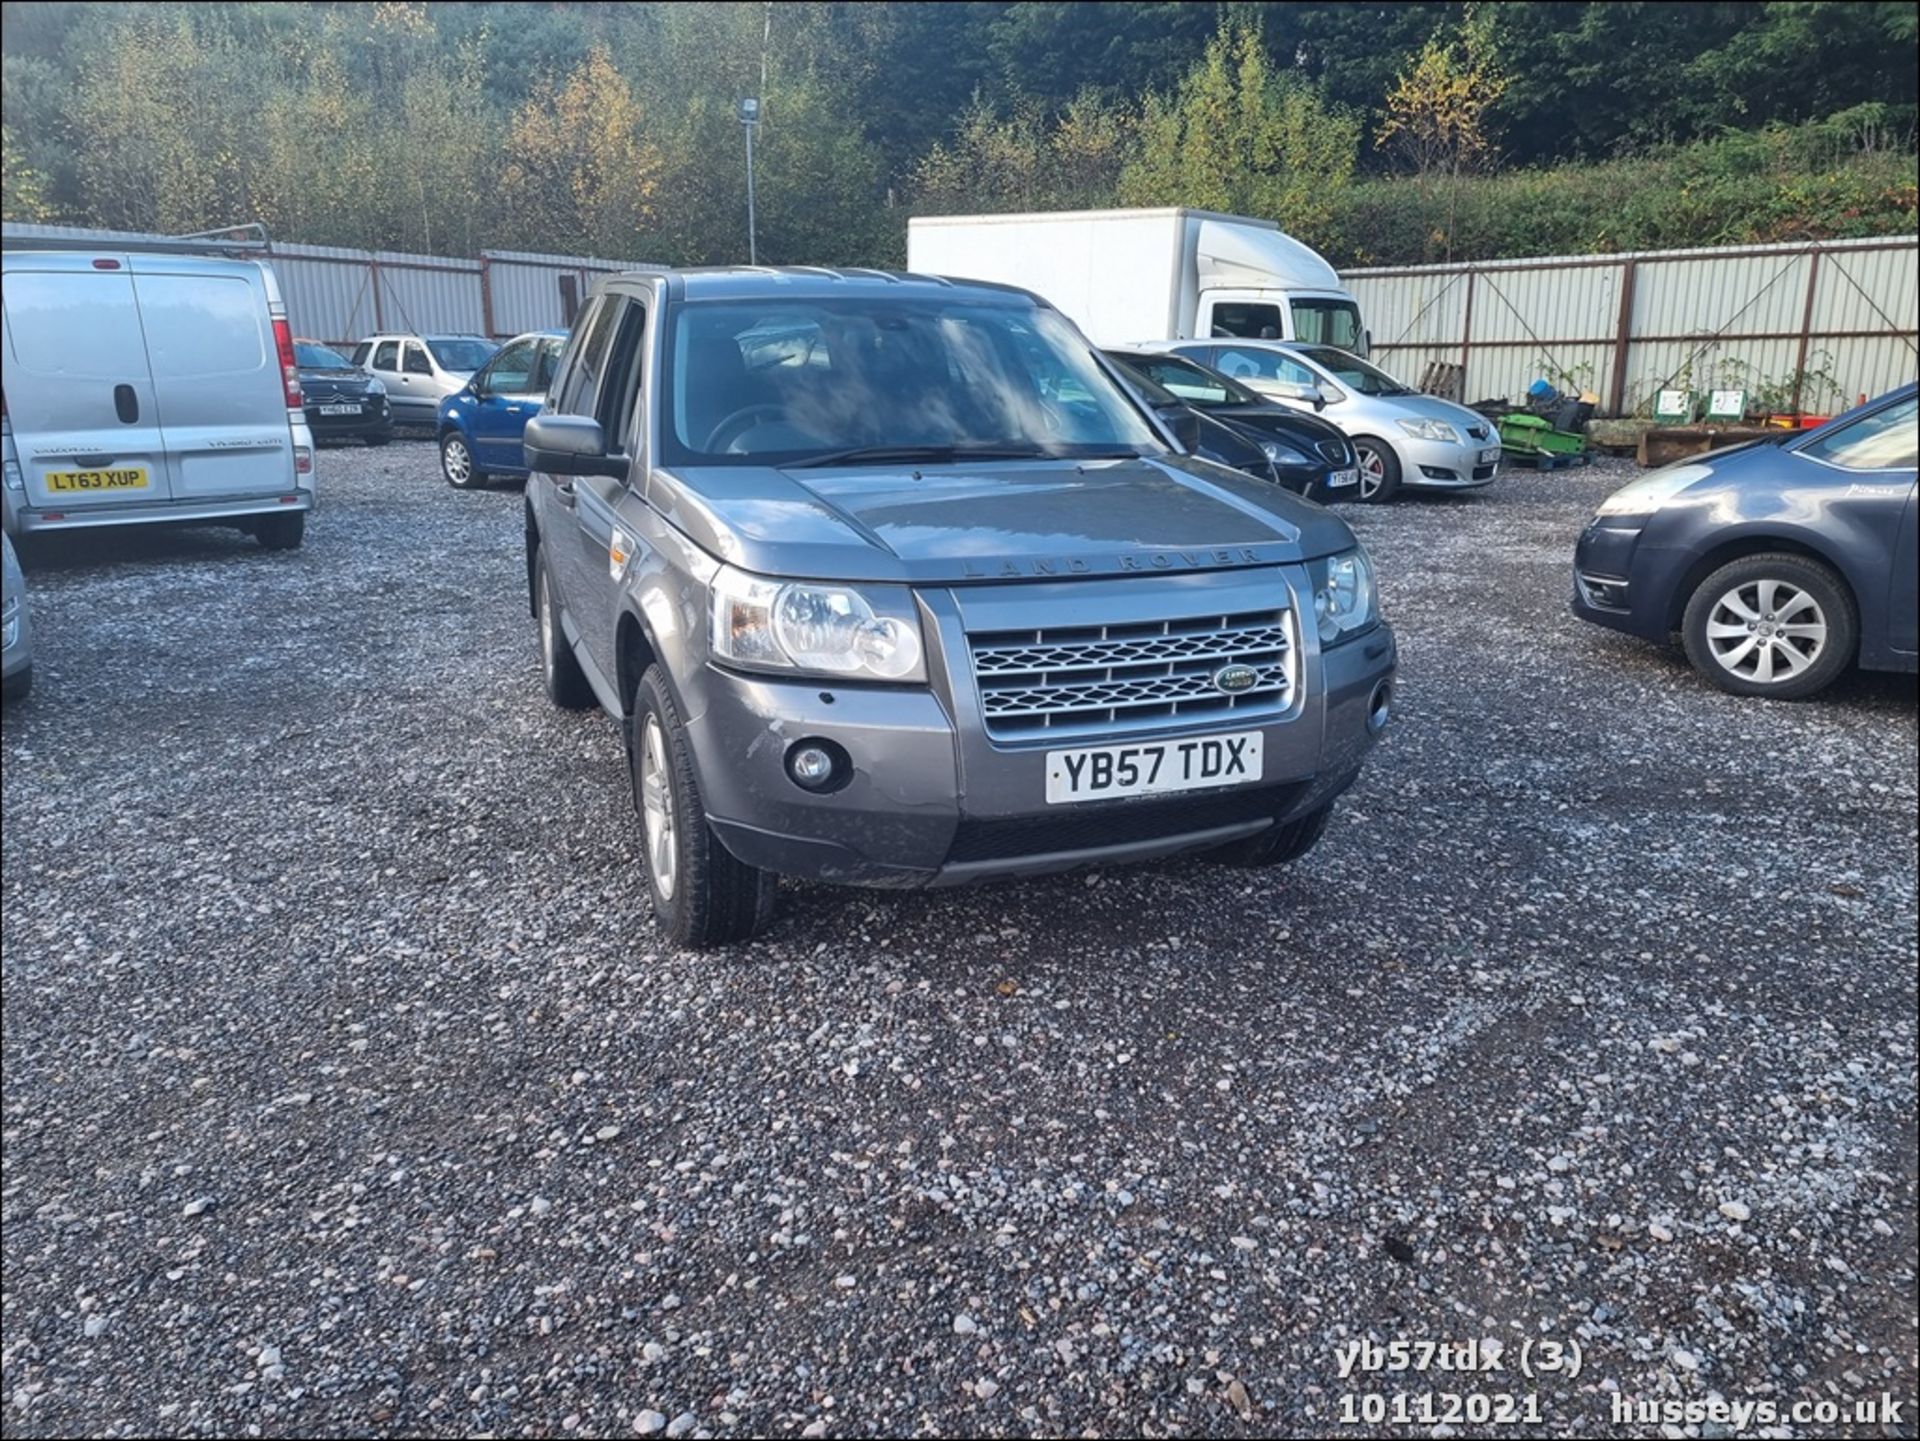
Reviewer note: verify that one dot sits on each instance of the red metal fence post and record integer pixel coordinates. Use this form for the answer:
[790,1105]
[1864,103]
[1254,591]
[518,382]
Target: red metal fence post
[1806,327]
[1623,339]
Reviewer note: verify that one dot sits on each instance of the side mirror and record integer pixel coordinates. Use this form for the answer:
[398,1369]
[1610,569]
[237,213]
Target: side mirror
[569,445]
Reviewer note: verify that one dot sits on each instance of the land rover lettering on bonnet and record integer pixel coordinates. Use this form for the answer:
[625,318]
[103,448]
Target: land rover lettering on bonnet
[890,582]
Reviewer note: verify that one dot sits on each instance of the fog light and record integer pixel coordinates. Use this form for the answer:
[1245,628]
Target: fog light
[818,765]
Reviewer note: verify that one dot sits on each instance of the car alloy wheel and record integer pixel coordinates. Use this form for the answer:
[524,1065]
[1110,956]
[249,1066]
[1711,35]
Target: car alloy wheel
[457,461]
[1766,631]
[656,806]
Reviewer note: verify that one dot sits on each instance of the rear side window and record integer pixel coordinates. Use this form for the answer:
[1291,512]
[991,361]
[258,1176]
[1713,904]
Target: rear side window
[1249,322]
[1885,440]
[79,326]
[387,357]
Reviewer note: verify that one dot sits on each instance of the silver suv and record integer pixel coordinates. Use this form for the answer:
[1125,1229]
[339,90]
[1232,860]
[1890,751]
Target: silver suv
[420,371]
[891,582]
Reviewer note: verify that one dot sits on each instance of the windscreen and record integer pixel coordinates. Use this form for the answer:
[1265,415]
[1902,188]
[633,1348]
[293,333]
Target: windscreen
[783,380]
[1353,372]
[461,355]
[309,356]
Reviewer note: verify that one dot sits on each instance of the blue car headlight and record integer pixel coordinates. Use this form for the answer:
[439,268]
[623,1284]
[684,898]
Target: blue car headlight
[1345,600]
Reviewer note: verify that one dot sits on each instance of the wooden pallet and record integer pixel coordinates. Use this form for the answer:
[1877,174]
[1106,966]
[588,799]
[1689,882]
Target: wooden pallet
[1546,459]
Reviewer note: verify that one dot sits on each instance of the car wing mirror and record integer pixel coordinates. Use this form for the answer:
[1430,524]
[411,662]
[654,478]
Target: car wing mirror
[569,445]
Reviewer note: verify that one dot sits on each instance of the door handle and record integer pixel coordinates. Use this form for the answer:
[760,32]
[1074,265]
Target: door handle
[126,404]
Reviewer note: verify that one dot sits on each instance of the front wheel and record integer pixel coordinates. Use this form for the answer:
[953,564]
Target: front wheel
[1277,844]
[702,896]
[1776,625]
[457,464]
[1379,470]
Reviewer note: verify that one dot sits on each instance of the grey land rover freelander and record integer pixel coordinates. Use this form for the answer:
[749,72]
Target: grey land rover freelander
[890,582]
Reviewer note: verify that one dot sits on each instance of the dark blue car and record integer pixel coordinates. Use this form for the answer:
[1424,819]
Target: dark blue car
[480,423]
[1779,563]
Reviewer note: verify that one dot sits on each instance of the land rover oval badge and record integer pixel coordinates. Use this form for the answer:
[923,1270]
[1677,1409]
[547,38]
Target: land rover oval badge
[1235,678]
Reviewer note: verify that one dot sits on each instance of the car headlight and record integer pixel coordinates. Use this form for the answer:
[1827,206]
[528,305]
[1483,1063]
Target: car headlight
[376,387]
[1344,599]
[869,634]
[1430,430]
[1652,491]
[1281,454]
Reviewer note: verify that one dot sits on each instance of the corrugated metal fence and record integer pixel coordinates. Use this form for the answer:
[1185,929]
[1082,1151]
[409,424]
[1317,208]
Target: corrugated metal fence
[339,295]
[1815,325]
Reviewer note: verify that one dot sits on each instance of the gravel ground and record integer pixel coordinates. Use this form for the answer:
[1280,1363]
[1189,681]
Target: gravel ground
[348,1090]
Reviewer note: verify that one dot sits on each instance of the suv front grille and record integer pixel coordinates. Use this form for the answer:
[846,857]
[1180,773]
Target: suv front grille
[1089,680]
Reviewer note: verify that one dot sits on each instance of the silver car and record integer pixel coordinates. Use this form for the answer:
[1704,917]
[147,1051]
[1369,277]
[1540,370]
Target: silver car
[18,668]
[1405,440]
[420,371]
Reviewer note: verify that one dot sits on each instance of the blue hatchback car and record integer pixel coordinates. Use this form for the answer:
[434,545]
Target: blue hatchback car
[480,423]
[1780,563]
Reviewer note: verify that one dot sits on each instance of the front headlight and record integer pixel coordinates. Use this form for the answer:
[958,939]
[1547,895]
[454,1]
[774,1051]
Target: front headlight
[1650,492]
[1280,454]
[1344,599]
[376,387]
[871,634]
[1430,430]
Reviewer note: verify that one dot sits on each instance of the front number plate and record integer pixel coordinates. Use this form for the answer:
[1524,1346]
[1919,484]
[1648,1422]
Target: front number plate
[1101,773]
[339,409]
[1490,455]
[133,477]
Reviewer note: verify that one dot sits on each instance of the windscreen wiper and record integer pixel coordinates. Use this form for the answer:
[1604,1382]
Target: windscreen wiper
[934,454]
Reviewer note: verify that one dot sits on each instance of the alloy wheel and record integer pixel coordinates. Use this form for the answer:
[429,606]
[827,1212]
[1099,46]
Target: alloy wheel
[1766,631]
[457,461]
[656,806]
[1373,471]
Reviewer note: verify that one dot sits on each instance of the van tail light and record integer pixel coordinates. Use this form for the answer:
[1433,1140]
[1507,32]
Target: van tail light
[302,460]
[289,367]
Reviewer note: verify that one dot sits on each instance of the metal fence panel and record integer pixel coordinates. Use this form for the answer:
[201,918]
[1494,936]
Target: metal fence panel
[1837,314]
[524,288]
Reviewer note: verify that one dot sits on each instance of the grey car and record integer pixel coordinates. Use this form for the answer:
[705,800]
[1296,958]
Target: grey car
[890,583]
[1404,440]
[18,665]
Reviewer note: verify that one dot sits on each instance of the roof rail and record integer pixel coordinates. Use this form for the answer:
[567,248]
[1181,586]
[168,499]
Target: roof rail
[249,238]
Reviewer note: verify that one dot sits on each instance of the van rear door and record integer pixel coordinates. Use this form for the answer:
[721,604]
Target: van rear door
[216,375]
[80,392]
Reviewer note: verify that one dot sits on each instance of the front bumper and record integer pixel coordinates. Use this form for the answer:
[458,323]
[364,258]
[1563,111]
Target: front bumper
[1445,464]
[931,802]
[1622,583]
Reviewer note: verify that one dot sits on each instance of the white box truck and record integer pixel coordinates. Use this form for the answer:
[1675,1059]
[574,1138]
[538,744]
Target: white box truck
[1132,276]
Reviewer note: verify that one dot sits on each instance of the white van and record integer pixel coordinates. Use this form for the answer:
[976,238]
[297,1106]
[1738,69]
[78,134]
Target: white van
[1138,276]
[150,385]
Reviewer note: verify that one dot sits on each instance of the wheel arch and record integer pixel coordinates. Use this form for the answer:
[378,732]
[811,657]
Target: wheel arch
[1738,547]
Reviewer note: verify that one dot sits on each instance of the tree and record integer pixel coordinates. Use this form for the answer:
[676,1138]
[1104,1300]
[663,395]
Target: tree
[1437,113]
[580,173]
[23,190]
[1240,136]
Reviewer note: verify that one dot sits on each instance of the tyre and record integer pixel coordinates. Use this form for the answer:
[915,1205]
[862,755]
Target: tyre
[1776,625]
[567,684]
[18,685]
[281,532]
[702,896]
[1379,470]
[1277,844]
[457,464]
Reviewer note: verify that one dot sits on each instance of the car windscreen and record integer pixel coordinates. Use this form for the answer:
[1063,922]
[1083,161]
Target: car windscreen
[461,355]
[1353,372]
[784,380]
[309,356]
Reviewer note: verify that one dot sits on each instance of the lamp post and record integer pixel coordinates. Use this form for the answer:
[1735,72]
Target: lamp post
[749,112]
